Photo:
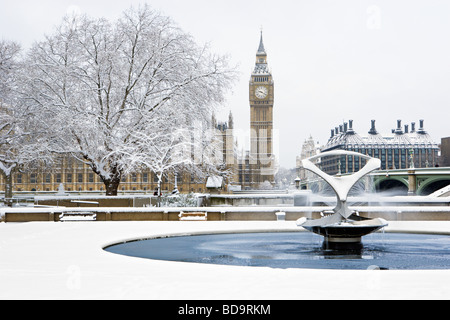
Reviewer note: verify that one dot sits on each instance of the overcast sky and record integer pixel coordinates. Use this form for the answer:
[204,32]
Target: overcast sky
[332,60]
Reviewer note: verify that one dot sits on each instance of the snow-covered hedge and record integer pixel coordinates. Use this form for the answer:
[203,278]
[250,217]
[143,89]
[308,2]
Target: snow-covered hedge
[179,200]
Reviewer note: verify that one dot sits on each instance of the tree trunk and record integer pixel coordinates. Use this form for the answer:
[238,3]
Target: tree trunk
[159,187]
[112,181]
[111,186]
[159,192]
[8,190]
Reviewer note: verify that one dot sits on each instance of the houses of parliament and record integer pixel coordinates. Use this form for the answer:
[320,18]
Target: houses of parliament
[250,169]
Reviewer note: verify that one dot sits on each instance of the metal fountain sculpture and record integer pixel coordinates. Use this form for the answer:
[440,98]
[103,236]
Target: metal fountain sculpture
[343,225]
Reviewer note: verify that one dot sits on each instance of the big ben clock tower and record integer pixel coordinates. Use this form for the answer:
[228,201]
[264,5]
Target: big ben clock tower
[261,89]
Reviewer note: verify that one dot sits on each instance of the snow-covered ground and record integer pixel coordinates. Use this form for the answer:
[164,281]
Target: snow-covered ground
[43,260]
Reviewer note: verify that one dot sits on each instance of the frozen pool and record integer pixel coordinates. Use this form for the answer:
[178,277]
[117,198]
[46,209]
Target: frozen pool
[296,250]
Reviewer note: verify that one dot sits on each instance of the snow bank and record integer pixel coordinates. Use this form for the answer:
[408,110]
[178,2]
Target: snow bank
[43,261]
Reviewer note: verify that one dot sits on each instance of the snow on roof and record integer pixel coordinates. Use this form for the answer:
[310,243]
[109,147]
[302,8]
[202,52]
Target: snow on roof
[214,182]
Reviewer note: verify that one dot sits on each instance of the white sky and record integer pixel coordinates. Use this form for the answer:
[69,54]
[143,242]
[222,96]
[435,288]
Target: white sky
[332,60]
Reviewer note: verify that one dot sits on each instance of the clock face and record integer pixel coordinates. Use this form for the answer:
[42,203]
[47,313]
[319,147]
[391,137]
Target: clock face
[261,92]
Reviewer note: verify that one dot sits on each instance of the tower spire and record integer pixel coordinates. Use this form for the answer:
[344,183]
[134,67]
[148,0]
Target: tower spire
[261,44]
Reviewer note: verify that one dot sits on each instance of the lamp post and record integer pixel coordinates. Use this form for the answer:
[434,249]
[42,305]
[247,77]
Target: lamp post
[297,183]
[175,187]
[411,158]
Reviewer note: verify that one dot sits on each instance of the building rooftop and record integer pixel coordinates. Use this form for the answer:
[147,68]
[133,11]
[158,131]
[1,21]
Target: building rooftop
[398,138]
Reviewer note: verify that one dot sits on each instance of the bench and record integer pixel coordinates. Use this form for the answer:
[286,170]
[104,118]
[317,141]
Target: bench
[193,216]
[78,202]
[77,216]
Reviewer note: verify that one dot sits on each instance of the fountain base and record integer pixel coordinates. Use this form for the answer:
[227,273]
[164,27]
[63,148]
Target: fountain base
[353,246]
[350,231]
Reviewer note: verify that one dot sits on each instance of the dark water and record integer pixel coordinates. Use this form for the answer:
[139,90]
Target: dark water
[297,250]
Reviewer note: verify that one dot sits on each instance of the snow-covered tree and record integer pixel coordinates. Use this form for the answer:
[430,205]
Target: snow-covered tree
[193,148]
[21,141]
[10,157]
[9,130]
[102,86]
[9,64]
[160,152]
[9,67]
[266,185]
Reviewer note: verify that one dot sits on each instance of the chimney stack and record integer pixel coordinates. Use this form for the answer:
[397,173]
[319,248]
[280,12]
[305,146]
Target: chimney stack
[373,130]
[399,127]
[421,128]
[350,127]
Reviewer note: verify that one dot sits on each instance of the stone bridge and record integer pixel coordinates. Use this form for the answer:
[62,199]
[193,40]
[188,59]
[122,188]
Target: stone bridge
[418,181]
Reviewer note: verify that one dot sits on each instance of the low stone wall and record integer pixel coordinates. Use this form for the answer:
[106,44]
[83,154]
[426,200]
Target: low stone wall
[223,214]
[245,200]
[431,213]
[93,201]
[139,214]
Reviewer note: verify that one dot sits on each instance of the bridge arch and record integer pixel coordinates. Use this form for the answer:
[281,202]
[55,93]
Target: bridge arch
[398,185]
[431,185]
